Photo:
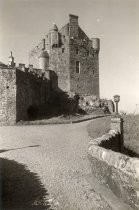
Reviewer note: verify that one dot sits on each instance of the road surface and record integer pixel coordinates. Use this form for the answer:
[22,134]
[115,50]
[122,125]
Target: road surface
[57,154]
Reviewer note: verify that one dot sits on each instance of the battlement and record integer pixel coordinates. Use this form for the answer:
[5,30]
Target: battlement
[36,73]
[21,88]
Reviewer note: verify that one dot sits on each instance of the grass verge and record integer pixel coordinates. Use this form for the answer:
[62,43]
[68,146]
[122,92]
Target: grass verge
[101,126]
[63,119]
[131,132]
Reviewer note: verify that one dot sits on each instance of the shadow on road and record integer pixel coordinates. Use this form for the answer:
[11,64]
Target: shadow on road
[20,189]
[6,150]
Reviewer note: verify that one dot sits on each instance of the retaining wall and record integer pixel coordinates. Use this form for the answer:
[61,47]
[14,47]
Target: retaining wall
[7,96]
[117,171]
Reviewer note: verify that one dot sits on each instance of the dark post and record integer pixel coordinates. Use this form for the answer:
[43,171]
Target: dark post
[116,100]
[117,123]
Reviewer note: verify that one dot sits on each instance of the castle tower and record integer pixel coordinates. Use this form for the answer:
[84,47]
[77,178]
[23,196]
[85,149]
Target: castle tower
[54,36]
[73,58]
[44,61]
[11,60]
[95,44]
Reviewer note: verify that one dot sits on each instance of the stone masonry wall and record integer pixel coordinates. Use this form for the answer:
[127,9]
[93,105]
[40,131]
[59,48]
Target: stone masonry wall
[31,91]
[59,64]
[20,90]
[87,80]
[7,96]
[34,53]
[58,58]
[117,171]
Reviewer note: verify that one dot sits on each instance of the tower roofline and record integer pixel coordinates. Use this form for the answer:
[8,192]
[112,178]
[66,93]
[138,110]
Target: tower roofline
[11,55]
[75,16]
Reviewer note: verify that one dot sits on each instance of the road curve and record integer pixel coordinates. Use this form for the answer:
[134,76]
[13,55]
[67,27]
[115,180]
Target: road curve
[58,155]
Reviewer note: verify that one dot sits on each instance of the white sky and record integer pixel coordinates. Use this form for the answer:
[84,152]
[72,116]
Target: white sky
[23,23]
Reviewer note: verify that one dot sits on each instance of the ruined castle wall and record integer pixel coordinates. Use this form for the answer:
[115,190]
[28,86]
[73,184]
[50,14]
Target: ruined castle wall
[7,96]
[86,81]
[31,91]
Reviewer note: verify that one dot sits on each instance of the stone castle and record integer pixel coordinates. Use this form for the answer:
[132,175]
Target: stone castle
[66,60]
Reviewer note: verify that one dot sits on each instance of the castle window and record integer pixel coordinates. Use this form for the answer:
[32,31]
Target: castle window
[54,45]
[88,53]
[63,50]
[93,72]
[77,51]
[77,67]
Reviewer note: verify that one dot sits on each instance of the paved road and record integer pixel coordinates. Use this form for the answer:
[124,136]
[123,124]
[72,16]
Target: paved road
[60,161]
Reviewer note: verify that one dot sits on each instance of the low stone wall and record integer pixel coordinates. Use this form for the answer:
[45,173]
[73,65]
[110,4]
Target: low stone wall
[117,171]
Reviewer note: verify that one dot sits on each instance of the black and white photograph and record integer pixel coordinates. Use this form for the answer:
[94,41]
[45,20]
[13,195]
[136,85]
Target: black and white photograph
[69,104]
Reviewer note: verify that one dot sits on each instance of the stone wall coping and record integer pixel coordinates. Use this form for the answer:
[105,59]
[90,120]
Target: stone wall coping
[105,137]
[30,72]
[116,119]
[120,161]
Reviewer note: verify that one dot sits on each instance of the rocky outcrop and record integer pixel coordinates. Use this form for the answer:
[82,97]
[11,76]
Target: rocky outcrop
[90,103]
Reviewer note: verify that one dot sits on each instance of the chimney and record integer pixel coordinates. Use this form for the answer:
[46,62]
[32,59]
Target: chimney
[43,44]
[30,67]
[21,66]
[73,26]
[11,60]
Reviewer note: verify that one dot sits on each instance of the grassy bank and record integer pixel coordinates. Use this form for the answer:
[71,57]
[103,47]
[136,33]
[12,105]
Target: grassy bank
[63,119]
[98,127]
[131,130]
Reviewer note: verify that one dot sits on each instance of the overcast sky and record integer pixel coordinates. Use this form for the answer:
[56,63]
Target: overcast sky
[23,23]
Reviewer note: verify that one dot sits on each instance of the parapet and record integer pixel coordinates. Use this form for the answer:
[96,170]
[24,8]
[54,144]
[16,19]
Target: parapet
[21,66]
[114,169]
[38,73]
